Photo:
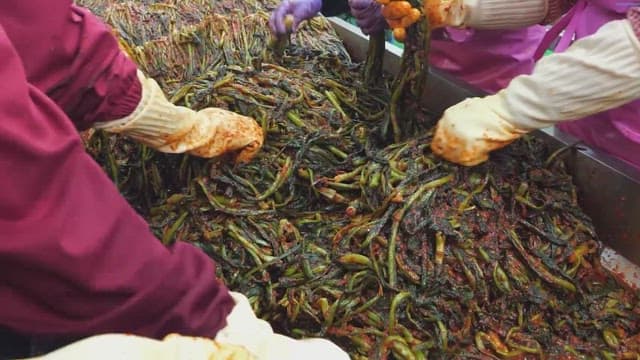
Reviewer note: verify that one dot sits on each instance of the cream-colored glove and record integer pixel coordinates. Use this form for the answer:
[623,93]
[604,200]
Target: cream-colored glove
[130,347]
[485,14]
[470,130]
[596,73]
[246,330]
[169,128]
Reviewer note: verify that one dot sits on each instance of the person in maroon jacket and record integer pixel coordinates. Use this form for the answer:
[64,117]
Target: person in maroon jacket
[76,259]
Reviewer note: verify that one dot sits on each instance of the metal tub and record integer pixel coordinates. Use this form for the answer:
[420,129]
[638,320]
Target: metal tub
[609,189]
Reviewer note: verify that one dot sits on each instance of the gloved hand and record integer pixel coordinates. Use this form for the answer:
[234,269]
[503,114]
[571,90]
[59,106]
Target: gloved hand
[130,347]
[301,10]
[368,14]
[596,73]
[246,330]
[169,128]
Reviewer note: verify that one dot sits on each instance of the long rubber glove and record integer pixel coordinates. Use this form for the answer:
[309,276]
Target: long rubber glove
[596,73]
[210,132]
[129,347]
[256,335]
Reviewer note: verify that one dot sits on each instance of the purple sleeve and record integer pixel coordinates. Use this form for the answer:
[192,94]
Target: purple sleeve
[76,258]
[633,15]
[73,58]
[558,7]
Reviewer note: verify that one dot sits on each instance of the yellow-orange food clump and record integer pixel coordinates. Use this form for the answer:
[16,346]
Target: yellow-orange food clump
[400,14]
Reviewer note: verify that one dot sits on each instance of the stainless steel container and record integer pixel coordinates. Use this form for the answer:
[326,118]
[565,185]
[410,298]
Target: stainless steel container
[609,189]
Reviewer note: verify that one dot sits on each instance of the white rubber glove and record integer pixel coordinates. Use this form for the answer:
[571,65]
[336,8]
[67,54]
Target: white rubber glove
[596,73]
[169,128]
[129,347]
[485,14]
[246,330]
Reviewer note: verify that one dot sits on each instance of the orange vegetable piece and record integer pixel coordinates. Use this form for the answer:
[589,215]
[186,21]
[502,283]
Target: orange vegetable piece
[411,18]
[414,14]
[400,34]
[396,10]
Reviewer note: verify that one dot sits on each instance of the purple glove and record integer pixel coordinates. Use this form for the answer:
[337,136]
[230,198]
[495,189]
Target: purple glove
[300,9]
[368,14]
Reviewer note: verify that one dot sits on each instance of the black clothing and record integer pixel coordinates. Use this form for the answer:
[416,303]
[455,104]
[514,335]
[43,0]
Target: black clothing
[335,7]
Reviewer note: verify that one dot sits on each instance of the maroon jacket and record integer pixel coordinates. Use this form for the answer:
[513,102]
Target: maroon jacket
[75,258]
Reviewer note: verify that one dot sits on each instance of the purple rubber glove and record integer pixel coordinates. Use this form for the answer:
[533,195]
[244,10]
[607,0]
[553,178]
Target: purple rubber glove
[300,9]
[368,14]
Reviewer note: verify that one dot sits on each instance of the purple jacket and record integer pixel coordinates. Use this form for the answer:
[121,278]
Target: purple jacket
[487,59]
[76,258]
[616,131]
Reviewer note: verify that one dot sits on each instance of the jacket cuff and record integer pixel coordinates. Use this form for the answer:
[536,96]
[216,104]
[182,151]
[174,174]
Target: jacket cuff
[128,101]
[503,14]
